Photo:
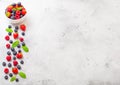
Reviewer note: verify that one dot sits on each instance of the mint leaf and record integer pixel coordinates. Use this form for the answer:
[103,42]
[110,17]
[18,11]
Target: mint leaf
[22,75]
[15,44]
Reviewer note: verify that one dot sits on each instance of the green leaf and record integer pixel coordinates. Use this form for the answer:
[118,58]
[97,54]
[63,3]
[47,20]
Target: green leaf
[25,48]
[15,44]
[22,75]
[12,79]
[9,30]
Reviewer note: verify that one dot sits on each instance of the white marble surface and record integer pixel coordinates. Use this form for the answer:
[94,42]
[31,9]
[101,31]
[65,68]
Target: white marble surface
[72,42]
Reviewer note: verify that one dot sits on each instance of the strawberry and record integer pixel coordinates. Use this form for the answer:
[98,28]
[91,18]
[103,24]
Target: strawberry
[15,35]
[19,55]
[22,27]
[23,12]
[15,70]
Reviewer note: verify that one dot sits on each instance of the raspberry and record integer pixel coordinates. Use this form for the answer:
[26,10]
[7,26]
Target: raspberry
[7,37]
[15,63]
[6,70]
[8,58]
[8,46]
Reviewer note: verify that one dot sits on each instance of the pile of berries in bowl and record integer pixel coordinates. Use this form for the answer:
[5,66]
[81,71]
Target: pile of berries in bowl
[15,13]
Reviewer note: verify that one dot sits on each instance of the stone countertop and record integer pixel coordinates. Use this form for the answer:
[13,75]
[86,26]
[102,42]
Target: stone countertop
[71,42]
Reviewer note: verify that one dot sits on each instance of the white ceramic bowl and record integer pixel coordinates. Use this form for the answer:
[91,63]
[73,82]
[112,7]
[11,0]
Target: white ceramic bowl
[17,21]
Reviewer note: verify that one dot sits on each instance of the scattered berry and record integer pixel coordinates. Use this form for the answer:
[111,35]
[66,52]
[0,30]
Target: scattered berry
[9,26]
[11,41]
[9,53]
[19,55]
[16,27]
[10,74]
[15,70]
[17,80]
[14,58]
[4,64]
[19,51]
[8,46]
[22,62]
[19,67]
[15,63]
[9,34]
[22,27]
[14,52]
[9,65]
[8,58]
[6,70]
[6,77]
[23,44]
[21,39]
[7,37]
[23,34]
[19,46]
[15,35]
[12,49]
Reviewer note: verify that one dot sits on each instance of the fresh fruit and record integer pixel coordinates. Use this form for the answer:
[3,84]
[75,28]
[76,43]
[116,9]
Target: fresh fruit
[15,70]
[9,65]
[14,58]
[17,80]
[22,62]
[8,14]
[6,70]
[11,41]
[16,27]
[8,53]
[23,43]
[23,34]
[10,74]
[6,77]
[8,58]
[15,11]
[19,67]
[15,35]
[23,12]
[15,63]
[9,34]
[14,53]
[19,55]
[4,64]
[8,46]
[22,27]
[21,39]
[9,26]
[7,37]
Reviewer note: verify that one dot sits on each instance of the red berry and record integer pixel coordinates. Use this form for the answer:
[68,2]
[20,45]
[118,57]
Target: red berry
[8,46]
[18,12]
[8,58]
[19,55]
[22,27]
[15,35]
[23,12]
[7,37]
[15,63]
[9,8]
[17,16]
[15,70]
[21,39]
[6,70]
